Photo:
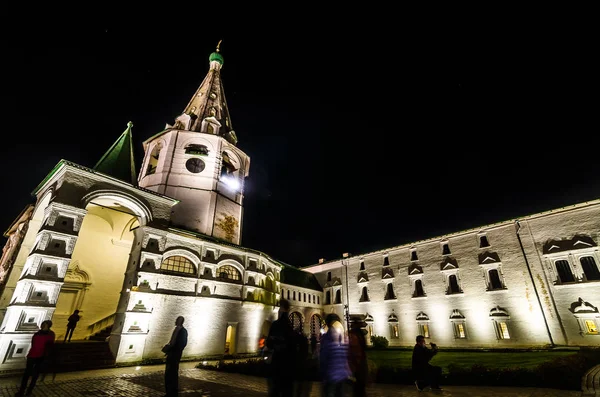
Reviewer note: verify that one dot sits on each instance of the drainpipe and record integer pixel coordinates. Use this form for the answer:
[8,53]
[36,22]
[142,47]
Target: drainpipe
[347,297]
[537,295]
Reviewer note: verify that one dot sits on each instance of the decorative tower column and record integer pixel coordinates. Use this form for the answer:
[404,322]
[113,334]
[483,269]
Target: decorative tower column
[37,290]
[196,161]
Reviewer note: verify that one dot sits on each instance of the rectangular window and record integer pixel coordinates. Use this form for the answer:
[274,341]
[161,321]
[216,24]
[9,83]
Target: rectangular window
[424,330]
[503,330]
[591,326]
[459,331]
[394,331]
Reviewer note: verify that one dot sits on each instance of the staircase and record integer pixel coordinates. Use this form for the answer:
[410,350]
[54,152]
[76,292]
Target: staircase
[81,355]
[101,336]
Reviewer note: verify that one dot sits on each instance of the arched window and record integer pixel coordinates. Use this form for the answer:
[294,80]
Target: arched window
[364,296]
[389,293]
[453,287]
[565,275]
[328,298]
[338,296]
[418,289]
[296,320]
[153,160]
[316,323]
[178,264]
[590,269]
[228,272]
[495,282]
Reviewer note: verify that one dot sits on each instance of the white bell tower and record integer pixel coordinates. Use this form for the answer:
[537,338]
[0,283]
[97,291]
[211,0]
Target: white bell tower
[197,162]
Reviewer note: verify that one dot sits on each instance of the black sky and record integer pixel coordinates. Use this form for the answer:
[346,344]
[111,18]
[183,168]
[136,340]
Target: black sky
[359,140]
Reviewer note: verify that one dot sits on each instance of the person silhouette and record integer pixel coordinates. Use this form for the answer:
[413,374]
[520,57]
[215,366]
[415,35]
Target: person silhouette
[281,344]
[357,355]
[71,324]
[174,351]
[41,344]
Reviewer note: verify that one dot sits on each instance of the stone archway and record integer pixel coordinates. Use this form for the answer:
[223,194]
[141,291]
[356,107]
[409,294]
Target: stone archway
[96,274]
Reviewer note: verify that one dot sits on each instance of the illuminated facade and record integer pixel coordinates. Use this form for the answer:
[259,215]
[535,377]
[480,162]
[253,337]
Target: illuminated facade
[528,282]
[133,253]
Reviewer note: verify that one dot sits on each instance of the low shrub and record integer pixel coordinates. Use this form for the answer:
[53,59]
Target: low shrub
[379,342]
[560,373]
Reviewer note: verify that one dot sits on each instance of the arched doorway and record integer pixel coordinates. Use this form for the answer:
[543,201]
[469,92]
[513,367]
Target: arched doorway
[230,335]
[96,273]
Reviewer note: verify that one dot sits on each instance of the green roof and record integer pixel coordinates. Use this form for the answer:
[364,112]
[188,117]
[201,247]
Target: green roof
[118,160]
[299,278]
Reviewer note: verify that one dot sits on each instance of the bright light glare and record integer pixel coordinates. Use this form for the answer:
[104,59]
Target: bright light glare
[204,362]
[138,368]
[231,182]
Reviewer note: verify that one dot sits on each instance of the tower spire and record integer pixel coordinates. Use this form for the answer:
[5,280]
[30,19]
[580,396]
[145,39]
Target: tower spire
[118,160]
[207,111]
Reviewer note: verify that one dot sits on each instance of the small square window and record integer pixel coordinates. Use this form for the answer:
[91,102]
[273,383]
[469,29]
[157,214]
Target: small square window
[591,326]
[64,223]
[38,294]
[48,269]
[130,347]
[19,350]
[483,242]
[56,245]
[445,249]
[31,320]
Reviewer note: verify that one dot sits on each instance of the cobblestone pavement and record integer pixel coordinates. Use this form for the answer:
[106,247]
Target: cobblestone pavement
[148,381]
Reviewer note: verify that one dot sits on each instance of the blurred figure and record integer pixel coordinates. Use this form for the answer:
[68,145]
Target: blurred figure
[333,362]
[302,384]
[313,345]
[41,344]
[72,323]
[425,374]
[174,350]
[281,344]
[357,355]
[261,345]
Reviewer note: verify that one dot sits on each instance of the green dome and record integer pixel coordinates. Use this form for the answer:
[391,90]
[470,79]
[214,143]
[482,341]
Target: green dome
[215,56]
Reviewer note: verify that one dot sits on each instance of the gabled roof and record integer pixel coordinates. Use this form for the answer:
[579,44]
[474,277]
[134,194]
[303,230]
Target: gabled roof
[299,278]
[118,161]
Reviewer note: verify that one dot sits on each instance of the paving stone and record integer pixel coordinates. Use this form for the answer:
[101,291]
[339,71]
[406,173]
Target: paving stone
[149,382]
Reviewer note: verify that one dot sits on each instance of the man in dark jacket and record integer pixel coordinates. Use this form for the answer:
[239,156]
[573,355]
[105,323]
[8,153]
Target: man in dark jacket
[357,355]
[425,374]
[174,350]
[72,323]
[41,344]
[281,342]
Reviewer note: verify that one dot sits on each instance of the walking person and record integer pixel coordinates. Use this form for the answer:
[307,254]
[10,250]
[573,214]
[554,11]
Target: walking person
[174,350]
[281,344]
[71,324]
[41,344]
[426,375]
[357,356]
[333,358]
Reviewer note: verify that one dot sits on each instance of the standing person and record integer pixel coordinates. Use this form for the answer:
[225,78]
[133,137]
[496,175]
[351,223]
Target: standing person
[333,362]
[41,344]
[72,323]
[313,345]
[174,350]
[425,374]
[281,344]
[357,356]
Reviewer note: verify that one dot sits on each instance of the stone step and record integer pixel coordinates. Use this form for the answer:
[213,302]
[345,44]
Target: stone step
[80,355]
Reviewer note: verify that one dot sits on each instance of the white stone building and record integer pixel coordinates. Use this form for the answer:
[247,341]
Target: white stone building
[527,282]
[133,253]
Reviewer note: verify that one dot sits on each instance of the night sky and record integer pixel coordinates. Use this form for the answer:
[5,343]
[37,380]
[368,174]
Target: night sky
[359,139]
